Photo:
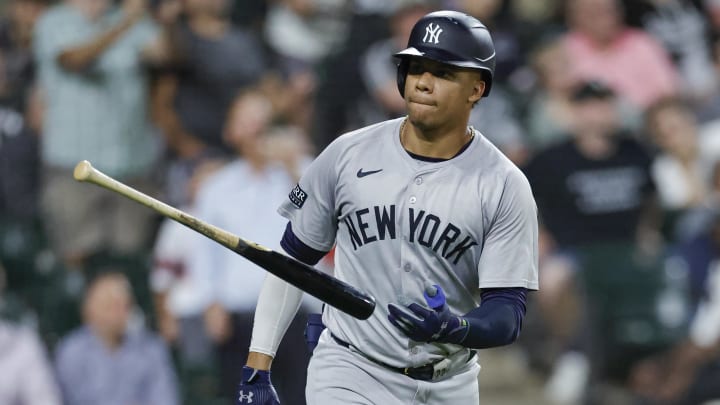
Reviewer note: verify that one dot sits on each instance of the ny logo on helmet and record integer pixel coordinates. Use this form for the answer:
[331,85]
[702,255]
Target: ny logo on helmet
[243,397]
[432,33]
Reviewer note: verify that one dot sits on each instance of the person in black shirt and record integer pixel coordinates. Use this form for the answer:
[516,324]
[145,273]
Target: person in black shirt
[594,191]
[595,185]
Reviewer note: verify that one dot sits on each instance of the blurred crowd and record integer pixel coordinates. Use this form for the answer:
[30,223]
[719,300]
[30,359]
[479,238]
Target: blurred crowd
[610,107]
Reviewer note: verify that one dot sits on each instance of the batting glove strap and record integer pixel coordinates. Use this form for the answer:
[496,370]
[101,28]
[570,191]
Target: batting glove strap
[458,332]
[256,388]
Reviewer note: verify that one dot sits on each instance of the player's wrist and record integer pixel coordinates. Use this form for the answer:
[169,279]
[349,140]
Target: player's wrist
[259,361]
[457,331]
[254,376]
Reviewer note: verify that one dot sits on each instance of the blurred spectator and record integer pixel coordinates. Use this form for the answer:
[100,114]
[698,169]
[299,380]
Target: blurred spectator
[303,32]
[335,106]
[241,197]
[496,116]
[111,359]
[550,115]
[27,375]
[681,28]
[178,302]
[712,10]
[601,46]
[683,169]
[533,17]
[509,54]
[20,221]
[572,179]
[708,109]
[90,57]
[378,68]
[16,34]
[304,35]
[19,163]
[591,189]
[250,13]
[166,13]
[19,160]
[692,222]
[550,110]
[212,60]
[178,305]
[687,374]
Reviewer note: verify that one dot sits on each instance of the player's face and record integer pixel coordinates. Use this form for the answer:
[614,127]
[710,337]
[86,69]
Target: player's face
[437,94]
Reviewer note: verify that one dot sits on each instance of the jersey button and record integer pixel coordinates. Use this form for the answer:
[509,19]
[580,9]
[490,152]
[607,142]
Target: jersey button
[418,180]
[412,200]
[414,350]
[407,267]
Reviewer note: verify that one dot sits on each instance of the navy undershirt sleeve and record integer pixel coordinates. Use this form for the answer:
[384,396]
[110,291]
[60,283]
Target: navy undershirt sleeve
[297,249]
[498,319]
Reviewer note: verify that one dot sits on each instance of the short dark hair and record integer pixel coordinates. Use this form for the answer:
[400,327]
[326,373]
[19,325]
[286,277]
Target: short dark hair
[592,90]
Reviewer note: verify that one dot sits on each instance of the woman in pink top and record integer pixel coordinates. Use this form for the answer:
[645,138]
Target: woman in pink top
[602,47]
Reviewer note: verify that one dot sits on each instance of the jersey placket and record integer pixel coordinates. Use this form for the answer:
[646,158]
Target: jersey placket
[409,257]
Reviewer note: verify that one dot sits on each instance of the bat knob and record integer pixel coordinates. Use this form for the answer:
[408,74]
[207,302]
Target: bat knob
[434,296]
[82,170]
[431,290]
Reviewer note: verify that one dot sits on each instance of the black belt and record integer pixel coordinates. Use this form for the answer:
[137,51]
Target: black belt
[423,373]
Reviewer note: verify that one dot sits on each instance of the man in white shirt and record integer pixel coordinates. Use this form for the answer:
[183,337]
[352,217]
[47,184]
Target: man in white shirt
[241,197]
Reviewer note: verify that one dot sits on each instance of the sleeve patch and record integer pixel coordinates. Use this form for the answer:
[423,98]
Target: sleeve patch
[297,196]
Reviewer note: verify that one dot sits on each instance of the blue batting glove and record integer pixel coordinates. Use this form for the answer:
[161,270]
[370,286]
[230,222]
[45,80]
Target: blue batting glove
[435,323]
[256,388]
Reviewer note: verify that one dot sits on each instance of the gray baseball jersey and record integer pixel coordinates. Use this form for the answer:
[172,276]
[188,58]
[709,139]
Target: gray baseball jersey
[399,223]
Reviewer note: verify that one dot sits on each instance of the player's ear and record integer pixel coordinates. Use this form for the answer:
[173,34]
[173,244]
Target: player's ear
[478,90]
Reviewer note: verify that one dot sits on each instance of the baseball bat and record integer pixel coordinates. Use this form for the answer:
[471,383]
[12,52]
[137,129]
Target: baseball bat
[323,286]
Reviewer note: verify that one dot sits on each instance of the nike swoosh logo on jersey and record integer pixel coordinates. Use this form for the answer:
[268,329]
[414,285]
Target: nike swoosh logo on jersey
[361,173]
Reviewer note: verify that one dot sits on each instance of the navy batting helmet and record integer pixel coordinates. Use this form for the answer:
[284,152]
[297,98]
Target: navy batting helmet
[453,38]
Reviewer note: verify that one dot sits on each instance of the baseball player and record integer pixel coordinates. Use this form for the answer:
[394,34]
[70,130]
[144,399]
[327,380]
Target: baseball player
[426,215]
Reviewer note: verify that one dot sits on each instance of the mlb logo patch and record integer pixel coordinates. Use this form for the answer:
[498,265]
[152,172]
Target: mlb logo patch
[297,196]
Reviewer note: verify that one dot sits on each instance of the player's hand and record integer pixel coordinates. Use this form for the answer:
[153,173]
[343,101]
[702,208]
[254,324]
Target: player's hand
[256,388]
[435,323]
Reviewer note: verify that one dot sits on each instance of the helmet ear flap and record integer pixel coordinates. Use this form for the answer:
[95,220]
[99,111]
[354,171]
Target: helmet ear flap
[402,71]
